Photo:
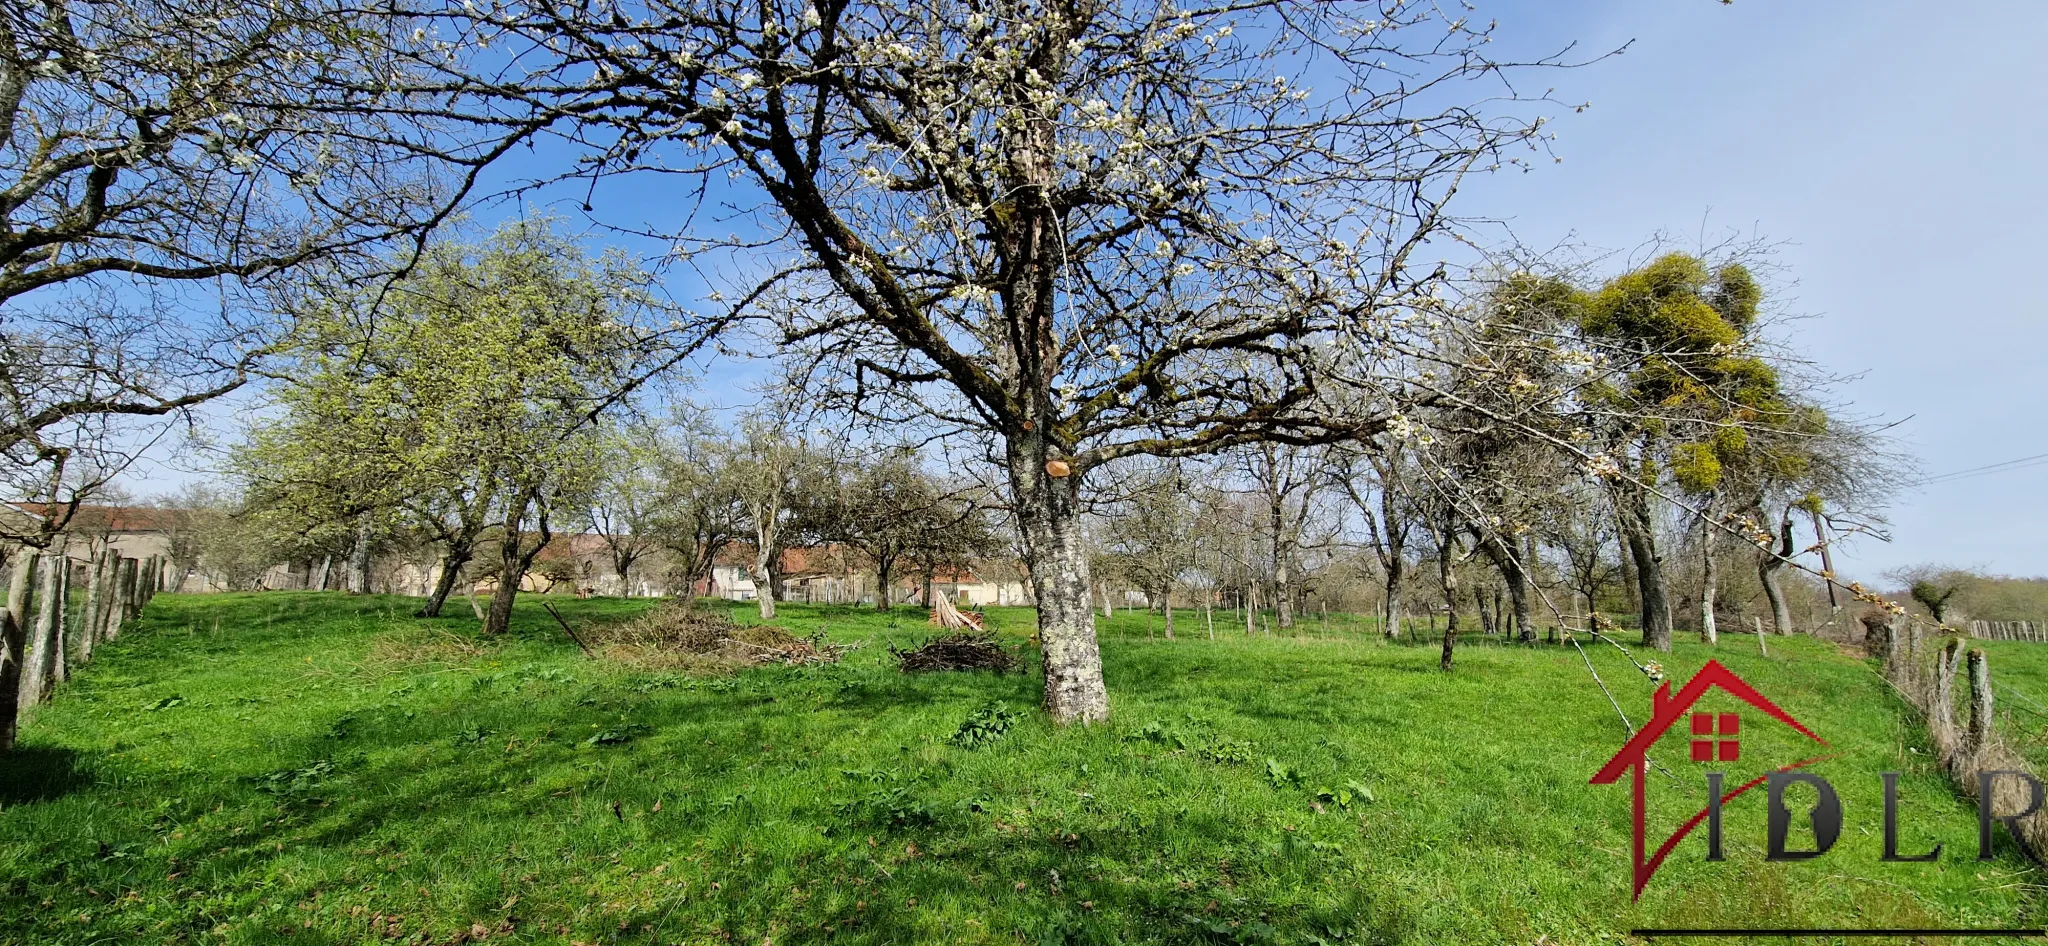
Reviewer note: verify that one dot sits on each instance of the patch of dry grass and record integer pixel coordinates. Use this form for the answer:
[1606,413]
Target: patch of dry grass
[681,636]
[417,647]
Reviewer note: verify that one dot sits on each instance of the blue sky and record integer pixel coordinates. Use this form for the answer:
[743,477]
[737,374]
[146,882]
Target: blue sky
[1893,149]
[1888,148]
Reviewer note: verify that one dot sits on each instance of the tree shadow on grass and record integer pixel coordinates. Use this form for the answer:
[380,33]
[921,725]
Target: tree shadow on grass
[39,773]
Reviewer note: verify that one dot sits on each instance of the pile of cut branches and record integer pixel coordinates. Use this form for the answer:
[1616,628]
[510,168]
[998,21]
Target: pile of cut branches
[774,645]
[946,616]
[967,650]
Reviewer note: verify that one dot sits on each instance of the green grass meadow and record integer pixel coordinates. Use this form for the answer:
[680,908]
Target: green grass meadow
[316,768]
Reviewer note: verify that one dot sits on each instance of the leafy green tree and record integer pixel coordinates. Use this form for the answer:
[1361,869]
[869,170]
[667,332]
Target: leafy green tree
[625,498]
[1503,398]
[1687,394]
[895,513]
[776,475]
[468,399]
[1933,597]
[696,513]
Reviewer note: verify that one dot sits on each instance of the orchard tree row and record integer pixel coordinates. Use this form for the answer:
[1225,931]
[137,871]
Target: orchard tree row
[1052,246]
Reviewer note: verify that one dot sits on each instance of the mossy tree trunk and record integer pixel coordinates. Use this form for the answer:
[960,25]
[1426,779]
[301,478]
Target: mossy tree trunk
[1767,574]
[456,555]
[516,551]
[1056,553]
[1639,534]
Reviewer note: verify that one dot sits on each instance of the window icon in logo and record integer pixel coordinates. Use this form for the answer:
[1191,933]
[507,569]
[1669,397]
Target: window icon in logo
[1705,726]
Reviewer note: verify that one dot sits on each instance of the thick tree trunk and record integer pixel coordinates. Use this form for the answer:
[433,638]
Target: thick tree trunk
[1508,561]
[359,558]
[1767,574]
[498,614]
[1631,590]
[515,555]
[622,566]
[1283,577]
[1056,552]
[1479,603]
[885,568]
[1450,641]
[1641,539]
[764,571]
[1166,597]
[457,555]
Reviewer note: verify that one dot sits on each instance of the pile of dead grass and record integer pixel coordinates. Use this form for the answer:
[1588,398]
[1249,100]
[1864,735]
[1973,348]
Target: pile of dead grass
[678,635]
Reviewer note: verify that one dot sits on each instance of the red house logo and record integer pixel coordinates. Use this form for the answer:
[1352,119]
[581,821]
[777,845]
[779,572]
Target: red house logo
[1716,737]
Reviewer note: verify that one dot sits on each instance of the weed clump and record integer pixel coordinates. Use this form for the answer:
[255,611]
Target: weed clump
[966,650]
[678,635]
[986,725]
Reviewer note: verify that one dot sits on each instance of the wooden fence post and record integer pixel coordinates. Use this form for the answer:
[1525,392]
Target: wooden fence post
[131,591]
[122,598]
[108,560]
[60,636]
[1941,701]
[88,618]
[110,607]
[1981,702]
[13,637]
[20,593]
[35,663]
[1877,640]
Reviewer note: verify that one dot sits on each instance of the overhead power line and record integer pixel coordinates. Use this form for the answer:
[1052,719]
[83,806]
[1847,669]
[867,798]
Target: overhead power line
[2006,467]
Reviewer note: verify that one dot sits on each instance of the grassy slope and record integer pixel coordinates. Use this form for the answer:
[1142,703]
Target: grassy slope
[245,768]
